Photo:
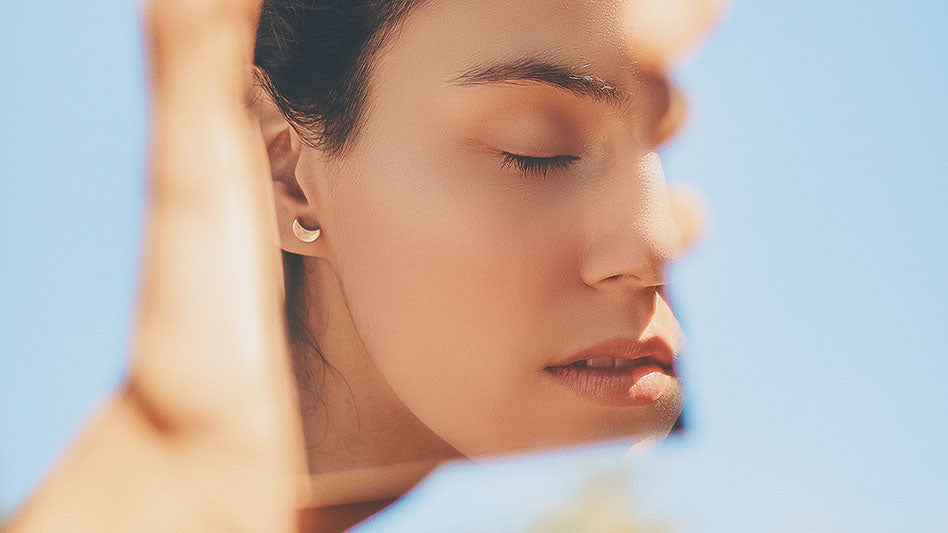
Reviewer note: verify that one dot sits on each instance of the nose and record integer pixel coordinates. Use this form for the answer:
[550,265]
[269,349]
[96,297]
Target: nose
[631,233]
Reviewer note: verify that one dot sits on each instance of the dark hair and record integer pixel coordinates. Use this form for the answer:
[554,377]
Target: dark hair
[316,57]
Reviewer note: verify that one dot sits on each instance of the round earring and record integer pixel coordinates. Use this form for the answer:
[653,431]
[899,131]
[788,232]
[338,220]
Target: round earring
[303,234]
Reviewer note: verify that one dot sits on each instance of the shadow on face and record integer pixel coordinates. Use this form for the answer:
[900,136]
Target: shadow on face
[495,227]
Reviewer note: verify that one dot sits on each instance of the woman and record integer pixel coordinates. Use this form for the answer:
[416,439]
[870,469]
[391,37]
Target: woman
[474,226]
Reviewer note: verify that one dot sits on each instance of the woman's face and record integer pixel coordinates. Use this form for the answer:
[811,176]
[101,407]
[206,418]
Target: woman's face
[472,275]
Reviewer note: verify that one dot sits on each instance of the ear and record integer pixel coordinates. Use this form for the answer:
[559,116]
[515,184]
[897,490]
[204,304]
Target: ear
[295,195]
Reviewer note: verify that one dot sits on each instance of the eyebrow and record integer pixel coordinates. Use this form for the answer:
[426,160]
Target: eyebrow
[547,72]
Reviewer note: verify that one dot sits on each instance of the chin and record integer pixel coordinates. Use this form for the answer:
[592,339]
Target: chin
[576,421]
[651,422]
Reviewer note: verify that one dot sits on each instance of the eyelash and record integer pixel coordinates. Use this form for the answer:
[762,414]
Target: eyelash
[537,166]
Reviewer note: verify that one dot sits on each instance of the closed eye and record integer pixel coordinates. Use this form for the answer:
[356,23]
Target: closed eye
[537,166]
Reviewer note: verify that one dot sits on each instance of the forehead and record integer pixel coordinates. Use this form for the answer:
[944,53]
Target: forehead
[443,39]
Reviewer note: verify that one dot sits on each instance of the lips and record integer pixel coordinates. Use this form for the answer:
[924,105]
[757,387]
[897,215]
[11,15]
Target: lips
[606,363]
[618,372]
[623,348]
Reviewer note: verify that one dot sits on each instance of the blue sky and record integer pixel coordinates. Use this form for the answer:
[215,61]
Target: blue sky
[816,307]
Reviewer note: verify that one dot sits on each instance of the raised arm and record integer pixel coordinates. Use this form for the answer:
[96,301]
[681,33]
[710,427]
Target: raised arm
[204,434]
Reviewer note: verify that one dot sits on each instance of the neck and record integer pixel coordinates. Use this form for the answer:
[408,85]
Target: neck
[337,518]
[363,443]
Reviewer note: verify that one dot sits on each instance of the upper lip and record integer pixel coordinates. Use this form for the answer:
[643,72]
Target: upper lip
[655,348]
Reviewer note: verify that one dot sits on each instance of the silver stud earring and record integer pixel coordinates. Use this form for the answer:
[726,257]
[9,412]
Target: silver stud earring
[303,234]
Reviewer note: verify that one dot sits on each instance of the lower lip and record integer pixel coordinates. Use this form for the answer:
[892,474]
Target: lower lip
[634,385]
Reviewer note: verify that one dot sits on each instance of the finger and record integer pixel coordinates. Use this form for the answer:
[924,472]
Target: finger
[665,30]
[669,109]
[673,118]
[689,214]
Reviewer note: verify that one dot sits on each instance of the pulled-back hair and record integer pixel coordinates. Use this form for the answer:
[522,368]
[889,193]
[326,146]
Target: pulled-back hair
[316,56]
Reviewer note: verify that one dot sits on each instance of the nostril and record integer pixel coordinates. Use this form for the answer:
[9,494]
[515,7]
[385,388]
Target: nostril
[623,277]
[655,283]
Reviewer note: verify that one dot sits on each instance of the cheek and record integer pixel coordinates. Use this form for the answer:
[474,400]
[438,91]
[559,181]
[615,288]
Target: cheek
[447,280]
[463,281]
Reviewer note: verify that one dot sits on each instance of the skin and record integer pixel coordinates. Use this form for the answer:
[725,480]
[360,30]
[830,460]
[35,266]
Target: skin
[456,281]
[459,276]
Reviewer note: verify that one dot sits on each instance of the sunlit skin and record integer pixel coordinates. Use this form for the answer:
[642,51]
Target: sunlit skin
[465,277]
[446,280]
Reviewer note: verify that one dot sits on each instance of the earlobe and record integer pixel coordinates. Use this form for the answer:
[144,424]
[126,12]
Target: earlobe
[295,199]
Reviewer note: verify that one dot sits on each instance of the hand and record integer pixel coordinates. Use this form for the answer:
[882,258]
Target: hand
[204,435]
